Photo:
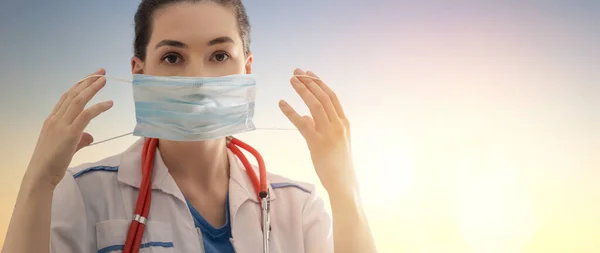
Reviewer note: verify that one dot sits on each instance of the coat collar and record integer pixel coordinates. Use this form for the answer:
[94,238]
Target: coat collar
[240,185]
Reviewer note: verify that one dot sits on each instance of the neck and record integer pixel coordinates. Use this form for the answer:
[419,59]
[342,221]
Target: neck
[204,164]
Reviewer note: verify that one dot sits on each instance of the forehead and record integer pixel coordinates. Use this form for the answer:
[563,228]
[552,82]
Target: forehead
[193,23]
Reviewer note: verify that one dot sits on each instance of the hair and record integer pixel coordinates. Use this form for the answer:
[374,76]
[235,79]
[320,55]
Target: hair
[147,8]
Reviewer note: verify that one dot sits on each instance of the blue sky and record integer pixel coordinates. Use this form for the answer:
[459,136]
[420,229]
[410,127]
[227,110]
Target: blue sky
[446,99]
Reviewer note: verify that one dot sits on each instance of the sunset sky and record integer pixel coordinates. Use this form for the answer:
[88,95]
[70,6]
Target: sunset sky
[476,124]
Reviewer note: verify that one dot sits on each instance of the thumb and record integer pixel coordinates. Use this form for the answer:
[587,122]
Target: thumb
[86,140]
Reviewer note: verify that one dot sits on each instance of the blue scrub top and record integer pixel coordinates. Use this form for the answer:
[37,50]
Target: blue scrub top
[216,240]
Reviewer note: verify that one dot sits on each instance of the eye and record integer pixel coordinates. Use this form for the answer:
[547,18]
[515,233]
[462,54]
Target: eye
[220,56]
[172,58]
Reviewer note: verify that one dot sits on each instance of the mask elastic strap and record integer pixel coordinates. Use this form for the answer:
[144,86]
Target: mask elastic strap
[311,77]
[127,134]
[107,77]
[110,139]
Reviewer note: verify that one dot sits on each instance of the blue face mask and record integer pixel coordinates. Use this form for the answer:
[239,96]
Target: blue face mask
[193,108]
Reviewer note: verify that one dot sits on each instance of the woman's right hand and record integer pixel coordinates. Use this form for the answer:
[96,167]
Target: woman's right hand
[62,133]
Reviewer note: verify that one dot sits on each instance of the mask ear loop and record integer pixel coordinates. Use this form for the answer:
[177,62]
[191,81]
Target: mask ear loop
[130,133]
[127,134]
[107,77]
[110,139]
[307,76]
[112,78]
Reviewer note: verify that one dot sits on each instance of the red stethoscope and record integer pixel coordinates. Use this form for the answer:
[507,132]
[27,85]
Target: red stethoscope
[142,208]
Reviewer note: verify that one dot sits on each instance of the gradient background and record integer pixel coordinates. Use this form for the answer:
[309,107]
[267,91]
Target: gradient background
[475,124]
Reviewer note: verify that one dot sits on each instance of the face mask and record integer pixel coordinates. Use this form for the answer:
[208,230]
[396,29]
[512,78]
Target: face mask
[193,108]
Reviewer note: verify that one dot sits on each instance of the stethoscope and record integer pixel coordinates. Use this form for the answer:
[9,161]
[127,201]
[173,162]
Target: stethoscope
[136,228]
[142,208]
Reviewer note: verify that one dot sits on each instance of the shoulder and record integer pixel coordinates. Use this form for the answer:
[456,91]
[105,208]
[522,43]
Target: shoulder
[92,178]
[85,181]
[281,183]
[105,171]
[109,164]
[295,192]
[76,202]
[88,184]
[300,199]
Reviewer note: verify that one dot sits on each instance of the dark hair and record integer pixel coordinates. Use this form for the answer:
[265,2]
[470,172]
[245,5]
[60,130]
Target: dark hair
[147,8]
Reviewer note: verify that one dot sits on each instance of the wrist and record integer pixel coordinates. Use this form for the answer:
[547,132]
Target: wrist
[344,195]
[342,187]
[34,181]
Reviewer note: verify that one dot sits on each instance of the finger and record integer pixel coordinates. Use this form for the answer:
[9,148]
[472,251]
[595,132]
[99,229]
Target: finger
[59,104]
[73,91]
[315,107]
[89,80]
[321,96]
[309,121]
[88,114]
[98,73]
[80,101]
[334,99]
[86,140]
[299,122]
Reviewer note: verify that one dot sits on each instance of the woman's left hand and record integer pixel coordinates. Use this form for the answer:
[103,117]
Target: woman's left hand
[327,132]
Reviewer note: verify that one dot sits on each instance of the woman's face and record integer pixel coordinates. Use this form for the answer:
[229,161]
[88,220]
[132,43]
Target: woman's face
[194,39]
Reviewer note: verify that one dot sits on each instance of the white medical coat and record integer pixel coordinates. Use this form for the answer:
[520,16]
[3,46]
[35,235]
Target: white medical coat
[93,206]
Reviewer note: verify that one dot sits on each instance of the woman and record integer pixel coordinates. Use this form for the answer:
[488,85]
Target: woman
[202,201]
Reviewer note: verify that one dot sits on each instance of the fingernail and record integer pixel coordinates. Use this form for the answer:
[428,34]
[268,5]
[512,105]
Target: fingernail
[283,103]
[109,103]
[298,71]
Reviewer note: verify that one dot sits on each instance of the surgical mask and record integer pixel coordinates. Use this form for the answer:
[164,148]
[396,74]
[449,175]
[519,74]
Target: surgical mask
[193,108]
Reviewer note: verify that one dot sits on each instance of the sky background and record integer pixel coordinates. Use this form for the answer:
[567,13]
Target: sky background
[475,123]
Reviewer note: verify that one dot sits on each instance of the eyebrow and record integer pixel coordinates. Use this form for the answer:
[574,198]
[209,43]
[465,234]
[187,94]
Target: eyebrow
[179,44]
[220,40]
[172,43]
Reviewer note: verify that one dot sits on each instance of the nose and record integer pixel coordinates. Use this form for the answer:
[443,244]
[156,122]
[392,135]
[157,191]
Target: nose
[196,68]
